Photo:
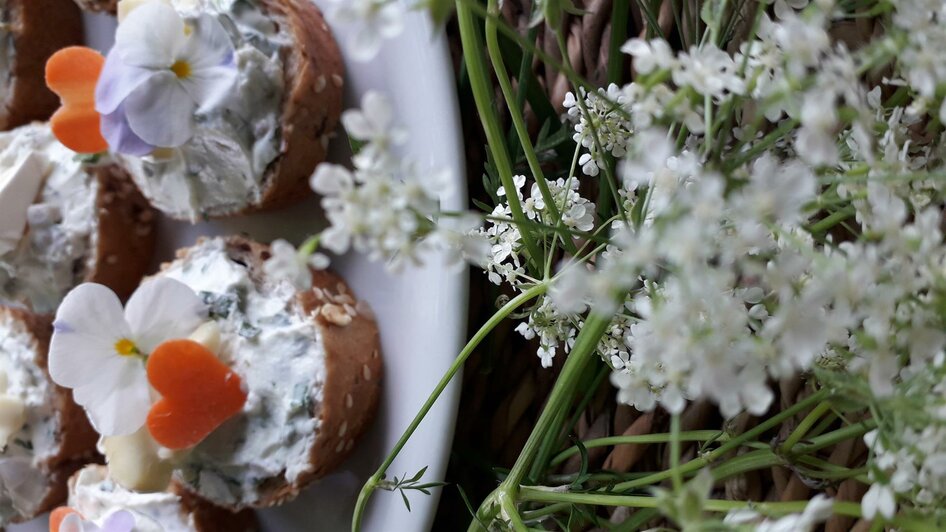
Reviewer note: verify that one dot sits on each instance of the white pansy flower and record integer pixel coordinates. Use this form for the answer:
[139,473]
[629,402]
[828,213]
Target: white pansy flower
[99,349]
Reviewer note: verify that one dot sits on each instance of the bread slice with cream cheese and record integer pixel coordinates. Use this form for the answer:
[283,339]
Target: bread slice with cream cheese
[94,496]
[64,220]
[310,362]
[257,148]
[30,32]
[44,436]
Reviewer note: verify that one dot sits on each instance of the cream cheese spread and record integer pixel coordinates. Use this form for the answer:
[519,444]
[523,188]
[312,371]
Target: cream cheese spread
[220,170]
[279,354]
[23,479]
[57,246]
[96,497]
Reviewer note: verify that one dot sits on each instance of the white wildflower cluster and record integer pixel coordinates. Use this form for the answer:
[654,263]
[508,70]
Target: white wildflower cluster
[601,123]
[369,22]
[387,207]
[505,262]
[909,450]
[732,272]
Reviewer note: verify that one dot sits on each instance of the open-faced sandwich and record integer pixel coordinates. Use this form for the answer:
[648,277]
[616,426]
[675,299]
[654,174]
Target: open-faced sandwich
[64,220]
[30,31]
[44,436]
[216,107]
[262,382]
[96,498]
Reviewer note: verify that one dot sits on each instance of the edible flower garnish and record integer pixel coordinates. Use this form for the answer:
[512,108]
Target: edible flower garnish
[72,73]
[65,519]
[160,73]
[199,393]
[99,350]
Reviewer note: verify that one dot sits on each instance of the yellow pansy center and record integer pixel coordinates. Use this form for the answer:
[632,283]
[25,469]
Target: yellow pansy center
[181,68]
[126,347]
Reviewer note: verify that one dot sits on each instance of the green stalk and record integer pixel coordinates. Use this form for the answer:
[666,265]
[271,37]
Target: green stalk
[487,327]
[620,11]
[482,94]
[534,494]
[805,426]
[837,436]
[582,354]
[699,463]
[688,436]
[675,452]
[519,123]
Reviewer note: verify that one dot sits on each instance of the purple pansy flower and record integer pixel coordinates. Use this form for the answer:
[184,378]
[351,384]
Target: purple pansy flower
[160,73]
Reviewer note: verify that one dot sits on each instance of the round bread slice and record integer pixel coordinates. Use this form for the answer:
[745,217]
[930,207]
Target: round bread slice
[257,149]
[94,496]
[56,437]
[30,32]
[86,222]
[310,361]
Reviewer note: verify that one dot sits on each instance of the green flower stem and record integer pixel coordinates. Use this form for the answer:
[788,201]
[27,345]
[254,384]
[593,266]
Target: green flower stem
[823,425]
[688,436]
[589,394]
[482,94]
[545,495]
[519,123]
[535,515]
[733,443]
[487,327]
[831,220]
[805,425]
[677,477]
[620,12]
[751,461]
[827,440]
[582,354]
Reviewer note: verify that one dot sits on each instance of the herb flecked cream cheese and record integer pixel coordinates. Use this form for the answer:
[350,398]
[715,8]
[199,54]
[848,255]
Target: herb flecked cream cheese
[279,354]
[53,253]
[221,169]
[23,481]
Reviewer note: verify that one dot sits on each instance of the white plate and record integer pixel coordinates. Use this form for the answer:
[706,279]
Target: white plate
[421,312]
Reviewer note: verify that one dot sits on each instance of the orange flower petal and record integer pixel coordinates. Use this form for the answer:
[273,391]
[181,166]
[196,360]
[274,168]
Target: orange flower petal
[72,74]
[199,393]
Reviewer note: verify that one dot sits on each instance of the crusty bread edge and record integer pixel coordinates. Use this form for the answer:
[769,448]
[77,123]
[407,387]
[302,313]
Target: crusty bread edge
[354,369]
[313,76]
[77,437]
[126,232]
[40,27]
[312,104]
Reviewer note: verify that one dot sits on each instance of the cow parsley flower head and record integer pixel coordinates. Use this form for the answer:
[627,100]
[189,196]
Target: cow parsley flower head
[372,21]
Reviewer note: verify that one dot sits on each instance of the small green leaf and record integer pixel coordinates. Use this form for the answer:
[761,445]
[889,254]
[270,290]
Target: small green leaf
[406,502]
